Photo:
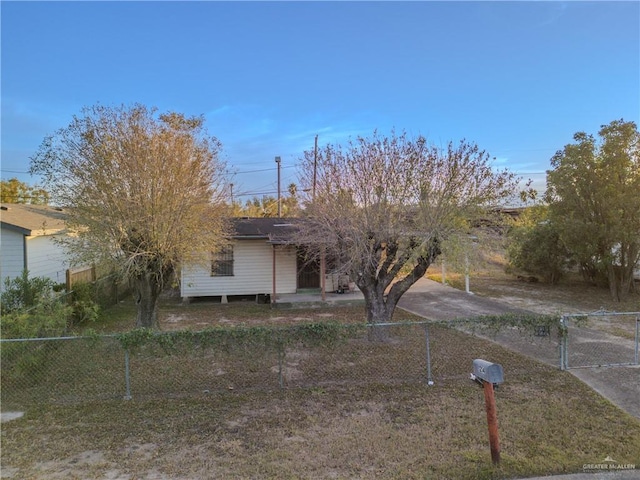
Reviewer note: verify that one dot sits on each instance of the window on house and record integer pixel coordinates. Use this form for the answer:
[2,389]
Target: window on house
[222,262]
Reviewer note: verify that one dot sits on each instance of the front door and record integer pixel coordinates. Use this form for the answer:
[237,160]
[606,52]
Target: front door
[308,272]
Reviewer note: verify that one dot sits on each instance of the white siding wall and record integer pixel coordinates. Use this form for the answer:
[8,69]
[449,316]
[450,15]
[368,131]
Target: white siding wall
[252,272]
[11,255]
[46,259]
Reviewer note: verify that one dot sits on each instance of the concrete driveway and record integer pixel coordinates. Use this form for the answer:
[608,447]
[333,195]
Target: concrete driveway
[435,301]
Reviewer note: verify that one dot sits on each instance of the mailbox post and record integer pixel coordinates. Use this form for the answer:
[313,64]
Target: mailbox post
[489,374]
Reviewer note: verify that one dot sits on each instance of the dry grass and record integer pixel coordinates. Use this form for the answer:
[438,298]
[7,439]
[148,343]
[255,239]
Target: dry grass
[364,432]
[174,315]
[550,422]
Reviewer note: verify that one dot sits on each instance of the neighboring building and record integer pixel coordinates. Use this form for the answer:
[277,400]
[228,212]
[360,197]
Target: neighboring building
[259,261]
[27,234]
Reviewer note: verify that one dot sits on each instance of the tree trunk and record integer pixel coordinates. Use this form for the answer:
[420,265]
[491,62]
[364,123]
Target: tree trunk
[378,311]
[613,283]
[620,281]
[147,290]
[379,304]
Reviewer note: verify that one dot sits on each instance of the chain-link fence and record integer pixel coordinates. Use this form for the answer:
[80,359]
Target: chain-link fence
[600,339]
[109,290]
[143,364]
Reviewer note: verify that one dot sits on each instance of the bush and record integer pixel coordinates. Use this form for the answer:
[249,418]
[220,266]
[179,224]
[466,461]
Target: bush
[85,308]
[31,308]
[23,292]
[536,248]
[45,320]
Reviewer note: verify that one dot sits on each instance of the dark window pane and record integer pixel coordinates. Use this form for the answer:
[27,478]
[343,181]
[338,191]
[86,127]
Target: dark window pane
[222,262]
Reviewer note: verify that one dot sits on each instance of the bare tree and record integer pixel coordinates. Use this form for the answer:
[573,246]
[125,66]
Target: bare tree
[144,191]
[384,206]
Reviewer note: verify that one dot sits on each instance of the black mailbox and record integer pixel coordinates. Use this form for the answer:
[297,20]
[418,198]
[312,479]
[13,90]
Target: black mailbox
[487,371]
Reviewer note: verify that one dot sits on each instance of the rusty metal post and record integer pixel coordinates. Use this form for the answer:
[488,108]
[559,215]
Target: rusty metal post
[492,420]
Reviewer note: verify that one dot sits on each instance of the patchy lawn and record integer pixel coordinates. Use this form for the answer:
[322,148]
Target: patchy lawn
[175,315]
[550,422]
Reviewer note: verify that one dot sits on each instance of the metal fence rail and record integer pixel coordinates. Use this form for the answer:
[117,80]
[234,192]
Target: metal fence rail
[81,369]
[600,339]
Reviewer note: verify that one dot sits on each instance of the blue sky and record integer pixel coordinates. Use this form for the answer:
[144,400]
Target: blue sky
[517,78]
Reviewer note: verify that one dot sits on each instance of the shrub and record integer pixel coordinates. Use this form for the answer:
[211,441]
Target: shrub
[536,248]
[22,292]
[85,308]
[31,308]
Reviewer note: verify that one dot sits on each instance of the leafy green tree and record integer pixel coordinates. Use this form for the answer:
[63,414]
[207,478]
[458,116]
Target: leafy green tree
[267,206]
[145,192]
[592,192]
[387,205]
[15,191]
[535,246]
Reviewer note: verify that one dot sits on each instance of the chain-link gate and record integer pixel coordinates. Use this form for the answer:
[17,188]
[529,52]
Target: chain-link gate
[599,339]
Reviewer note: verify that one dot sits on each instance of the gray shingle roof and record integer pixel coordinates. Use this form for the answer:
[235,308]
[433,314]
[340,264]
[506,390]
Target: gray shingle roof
[32,219]
[274,230]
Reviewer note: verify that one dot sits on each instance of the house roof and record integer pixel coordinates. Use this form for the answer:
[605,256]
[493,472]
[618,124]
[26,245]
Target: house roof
[35,220]
[32,220]
[274,230]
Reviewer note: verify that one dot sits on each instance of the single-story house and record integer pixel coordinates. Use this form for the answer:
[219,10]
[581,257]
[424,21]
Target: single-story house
[260,261]
[27,234]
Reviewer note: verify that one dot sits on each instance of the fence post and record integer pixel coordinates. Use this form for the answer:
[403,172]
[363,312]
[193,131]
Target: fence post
[127,378]
[564,332]
[426,336]
[637,339]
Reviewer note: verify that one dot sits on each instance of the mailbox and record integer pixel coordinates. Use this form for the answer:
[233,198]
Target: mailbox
[487,371]
[489,375]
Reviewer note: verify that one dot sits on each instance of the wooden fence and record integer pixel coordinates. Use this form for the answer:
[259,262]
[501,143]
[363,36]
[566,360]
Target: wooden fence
[81,274]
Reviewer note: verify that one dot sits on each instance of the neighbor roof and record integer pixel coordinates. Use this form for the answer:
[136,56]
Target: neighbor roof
[32,220]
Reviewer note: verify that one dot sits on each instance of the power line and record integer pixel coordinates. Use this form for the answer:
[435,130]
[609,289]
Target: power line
[263,169]
[255,194]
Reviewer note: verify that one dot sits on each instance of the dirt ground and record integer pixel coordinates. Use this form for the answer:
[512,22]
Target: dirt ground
[571,295]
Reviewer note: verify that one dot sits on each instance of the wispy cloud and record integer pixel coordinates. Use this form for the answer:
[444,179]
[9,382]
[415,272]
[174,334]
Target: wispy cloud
[555,11]
[218,111]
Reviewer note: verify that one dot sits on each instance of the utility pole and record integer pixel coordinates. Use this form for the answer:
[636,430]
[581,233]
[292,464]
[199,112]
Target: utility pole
[323,261]
[231,189]
[279,208]
[315,167]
